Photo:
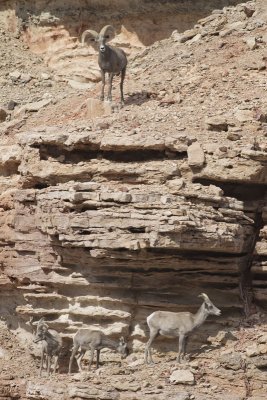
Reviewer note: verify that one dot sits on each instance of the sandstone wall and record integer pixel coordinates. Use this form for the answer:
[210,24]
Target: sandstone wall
[89,239]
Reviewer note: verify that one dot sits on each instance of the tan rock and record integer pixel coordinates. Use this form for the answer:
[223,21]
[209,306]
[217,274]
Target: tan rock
[244,115]
[253,350]
[196,157]
[216,124]
[182,376]
[251,43]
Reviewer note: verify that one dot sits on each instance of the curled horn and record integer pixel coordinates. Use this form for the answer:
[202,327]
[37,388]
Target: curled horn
[89,34]
[204,297]
[108,32]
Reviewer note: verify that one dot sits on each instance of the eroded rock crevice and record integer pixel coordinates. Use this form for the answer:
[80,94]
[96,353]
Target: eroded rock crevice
[246,268]
[254,197]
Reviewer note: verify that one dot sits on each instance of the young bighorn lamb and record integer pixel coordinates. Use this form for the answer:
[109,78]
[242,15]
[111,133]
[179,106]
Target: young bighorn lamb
[86,339]
[110,59]
[51,346]
[180,324]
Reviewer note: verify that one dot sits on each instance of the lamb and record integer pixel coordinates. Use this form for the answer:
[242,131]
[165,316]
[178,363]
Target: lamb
[86,339]
[51,346]
[111,60]
[180,324]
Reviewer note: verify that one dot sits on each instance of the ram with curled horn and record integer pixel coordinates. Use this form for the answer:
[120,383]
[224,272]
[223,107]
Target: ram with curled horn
[51,344]
[178,324]
[111,60]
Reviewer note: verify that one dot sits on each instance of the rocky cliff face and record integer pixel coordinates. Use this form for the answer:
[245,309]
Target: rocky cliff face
[109,213]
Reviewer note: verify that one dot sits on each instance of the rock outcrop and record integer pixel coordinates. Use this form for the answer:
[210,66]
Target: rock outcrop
[106,240]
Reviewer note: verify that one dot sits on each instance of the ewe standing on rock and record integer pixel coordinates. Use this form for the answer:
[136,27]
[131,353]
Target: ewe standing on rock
[87,339]
[51,346]
[180,324]
[110,59]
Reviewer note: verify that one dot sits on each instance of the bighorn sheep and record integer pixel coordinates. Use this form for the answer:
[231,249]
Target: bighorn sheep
[86,339]
[110,59]
[51,346]
[180,324]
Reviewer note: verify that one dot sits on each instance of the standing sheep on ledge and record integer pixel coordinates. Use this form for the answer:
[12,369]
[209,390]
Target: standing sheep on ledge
[87,339]
[110,59]
[51,345]
[180,324]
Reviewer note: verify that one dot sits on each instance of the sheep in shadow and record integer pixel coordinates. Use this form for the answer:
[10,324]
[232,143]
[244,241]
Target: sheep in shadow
[51,345]
[93,340]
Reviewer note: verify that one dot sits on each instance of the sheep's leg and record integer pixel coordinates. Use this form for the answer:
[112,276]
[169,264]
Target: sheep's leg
[110,79]
[153,335]
[56,364]
[73,353]
[181,347]
[184,347]
[79,359]
[123,72]
[103,85]
[97,358]
[42,362]
[45,361]
[91,358]
[48,364]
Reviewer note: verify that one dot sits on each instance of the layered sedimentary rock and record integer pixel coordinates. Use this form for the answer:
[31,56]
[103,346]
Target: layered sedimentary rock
[95,237]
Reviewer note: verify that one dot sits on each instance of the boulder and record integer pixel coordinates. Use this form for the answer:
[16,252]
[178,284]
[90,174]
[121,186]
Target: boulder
[182,376]
[196,156]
